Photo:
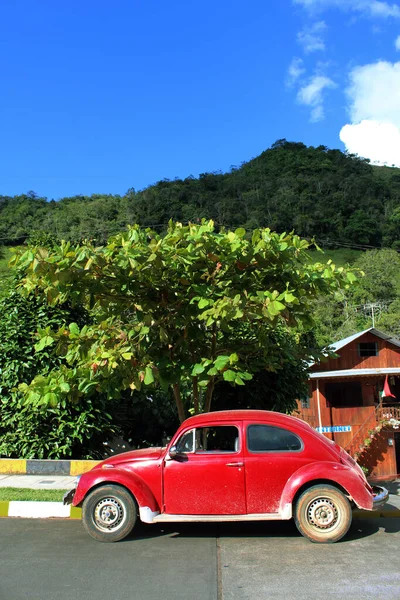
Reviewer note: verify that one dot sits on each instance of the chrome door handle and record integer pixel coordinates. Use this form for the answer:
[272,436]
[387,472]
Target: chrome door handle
[235,464]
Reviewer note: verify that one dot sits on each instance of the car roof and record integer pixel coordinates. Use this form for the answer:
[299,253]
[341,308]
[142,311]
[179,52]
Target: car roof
[267,416]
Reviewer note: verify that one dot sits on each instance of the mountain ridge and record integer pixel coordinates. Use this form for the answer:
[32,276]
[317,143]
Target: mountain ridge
[318,192]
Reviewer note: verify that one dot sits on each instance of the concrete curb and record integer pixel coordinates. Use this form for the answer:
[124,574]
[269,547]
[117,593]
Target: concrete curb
[56,510]
[38,510]
[16,466]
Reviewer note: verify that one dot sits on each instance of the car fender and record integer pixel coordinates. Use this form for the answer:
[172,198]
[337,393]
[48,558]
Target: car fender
[148,507]
[329,472]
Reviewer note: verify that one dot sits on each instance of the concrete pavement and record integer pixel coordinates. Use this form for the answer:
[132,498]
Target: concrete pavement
[38,482]
[47,560]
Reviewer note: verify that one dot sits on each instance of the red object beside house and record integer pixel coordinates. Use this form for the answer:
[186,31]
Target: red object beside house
[349,403]
[386,389]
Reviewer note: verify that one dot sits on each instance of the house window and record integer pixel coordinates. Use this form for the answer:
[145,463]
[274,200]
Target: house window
[368,349]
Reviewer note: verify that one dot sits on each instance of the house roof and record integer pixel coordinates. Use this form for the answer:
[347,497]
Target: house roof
[355,373]
[341,343]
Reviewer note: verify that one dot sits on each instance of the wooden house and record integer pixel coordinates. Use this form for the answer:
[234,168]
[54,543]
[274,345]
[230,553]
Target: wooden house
[348,404]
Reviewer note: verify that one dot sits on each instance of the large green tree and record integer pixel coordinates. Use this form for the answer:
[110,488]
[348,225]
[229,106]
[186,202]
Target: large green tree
[186,309]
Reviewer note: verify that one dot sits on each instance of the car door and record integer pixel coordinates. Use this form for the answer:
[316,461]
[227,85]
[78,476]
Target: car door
[206,476]
[272,455]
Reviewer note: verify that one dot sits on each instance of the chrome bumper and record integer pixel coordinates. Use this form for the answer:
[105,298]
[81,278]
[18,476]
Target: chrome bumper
[381,496]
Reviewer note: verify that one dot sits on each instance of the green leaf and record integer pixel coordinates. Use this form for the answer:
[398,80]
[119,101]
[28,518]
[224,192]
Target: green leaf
[221,362]
[275,308]
[47,340]
[240,232]
[229,375]
[289,297]
[148,377]
[197,370]
[212,372]
[351,277]
[50,399]
[74,329]
[203,303]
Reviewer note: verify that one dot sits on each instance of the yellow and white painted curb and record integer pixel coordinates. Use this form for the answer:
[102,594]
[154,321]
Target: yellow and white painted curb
[16,466]
[38,510]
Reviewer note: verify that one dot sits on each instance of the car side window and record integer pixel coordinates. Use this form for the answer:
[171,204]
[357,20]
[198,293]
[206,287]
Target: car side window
[185,443]
[217,440]
[267,438]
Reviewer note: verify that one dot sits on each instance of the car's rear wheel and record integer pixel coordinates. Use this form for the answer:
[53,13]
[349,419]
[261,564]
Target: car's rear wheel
[323,514]
[109,513]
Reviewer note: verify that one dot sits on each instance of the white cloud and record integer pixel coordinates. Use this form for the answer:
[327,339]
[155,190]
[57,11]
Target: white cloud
[312,95]
[295,71]
[310,37]
[378,141]
[372,8]
[397,43]
[374,131]
[374,92]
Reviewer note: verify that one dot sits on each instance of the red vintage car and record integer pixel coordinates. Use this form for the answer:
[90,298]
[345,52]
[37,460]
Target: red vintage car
[238,465]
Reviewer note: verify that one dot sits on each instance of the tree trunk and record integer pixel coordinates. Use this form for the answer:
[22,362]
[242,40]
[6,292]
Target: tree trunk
[179,403]
[209,394]
[195,395]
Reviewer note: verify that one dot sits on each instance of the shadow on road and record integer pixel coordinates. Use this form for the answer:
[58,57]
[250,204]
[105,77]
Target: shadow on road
[361,528]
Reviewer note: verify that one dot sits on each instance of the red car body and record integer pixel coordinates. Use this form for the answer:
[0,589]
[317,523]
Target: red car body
[239,484]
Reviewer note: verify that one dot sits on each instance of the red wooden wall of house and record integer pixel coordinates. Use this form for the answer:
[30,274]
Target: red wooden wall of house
[388,356]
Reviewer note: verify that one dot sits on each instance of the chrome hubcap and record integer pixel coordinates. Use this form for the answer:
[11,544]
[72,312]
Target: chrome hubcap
[109,514]
[322,513]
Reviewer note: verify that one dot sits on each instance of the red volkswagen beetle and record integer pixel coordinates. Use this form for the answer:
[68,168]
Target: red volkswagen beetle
[239,465]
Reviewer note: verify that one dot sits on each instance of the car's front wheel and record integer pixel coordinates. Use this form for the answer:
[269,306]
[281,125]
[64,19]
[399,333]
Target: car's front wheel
[323,514]
[109,513]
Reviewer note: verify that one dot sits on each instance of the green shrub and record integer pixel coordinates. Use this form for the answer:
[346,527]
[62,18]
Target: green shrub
[65,431]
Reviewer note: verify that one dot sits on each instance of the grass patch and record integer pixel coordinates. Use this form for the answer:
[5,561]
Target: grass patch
[340,257]
[8,494]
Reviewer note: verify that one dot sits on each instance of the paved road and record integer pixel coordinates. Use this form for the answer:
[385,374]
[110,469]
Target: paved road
[56,560]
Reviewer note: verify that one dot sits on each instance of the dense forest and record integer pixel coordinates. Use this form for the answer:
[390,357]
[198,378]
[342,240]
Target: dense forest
[337,198]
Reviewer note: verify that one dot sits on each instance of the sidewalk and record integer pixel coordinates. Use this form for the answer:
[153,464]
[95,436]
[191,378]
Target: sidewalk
[37,482]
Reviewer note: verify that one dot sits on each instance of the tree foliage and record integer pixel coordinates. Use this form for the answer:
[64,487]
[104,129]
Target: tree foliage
[377,289]
[185,309]
[66,430]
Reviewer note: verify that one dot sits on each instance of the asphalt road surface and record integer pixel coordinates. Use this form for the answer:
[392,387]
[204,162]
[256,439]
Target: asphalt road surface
[57,560]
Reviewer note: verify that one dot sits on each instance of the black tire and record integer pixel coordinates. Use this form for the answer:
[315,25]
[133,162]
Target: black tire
[109,513]
[323,514]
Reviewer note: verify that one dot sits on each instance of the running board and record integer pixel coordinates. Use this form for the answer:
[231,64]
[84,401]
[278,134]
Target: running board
[165,518]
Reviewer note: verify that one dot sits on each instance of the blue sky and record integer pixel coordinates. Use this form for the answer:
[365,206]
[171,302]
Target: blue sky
[98,97]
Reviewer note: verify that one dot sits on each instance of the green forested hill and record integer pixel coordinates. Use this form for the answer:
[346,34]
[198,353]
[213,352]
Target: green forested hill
[338,198]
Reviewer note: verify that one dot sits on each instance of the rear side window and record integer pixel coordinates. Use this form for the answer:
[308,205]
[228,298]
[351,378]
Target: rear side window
[266,438]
